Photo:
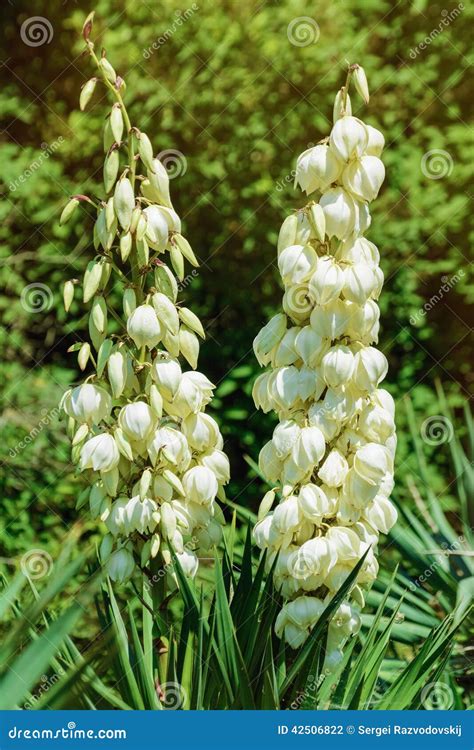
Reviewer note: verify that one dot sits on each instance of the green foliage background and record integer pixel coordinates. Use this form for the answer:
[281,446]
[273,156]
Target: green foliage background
[228,90]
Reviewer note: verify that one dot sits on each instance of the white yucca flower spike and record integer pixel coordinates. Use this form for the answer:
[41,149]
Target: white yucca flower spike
[153,458]
[330,459]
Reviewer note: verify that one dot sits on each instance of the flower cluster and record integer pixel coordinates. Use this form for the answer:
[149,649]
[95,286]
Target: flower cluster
[139,429]
[331,455]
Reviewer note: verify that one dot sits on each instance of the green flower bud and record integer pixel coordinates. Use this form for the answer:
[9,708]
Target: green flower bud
[360,82]
[108,70]
[99,314]
[143,252]
[86,93]
[192,321]
[186,249]
[116,122]
[145,149]
[189,346]
[92,279]
[177,262]
[124,202]
[68,294]
[103,355]
[129,301]
[83,356]
[125,245]
[166,311]
[165,282]
[68,210]
[111,168]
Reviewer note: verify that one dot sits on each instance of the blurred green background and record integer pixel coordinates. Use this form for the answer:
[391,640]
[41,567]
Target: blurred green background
[225,84]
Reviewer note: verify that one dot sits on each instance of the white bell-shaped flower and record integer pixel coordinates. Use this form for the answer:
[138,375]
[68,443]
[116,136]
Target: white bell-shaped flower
[284,437]
[157,229]
[170,446]
[359,283]
[363,177]
[87,404]
[349,138]
[200,485]
[381,514]
[372,462]
[317,168]
[331,320]
[218,463]
[340,213]
[268,337]
[99,453]
[334,469]
[313,503]
[120,565]
[166,372]
[309,447]
[370,367]
[327,281]
[201,431]
[144,327]
[137,420]
[337,366]
[376,141]
[297,263]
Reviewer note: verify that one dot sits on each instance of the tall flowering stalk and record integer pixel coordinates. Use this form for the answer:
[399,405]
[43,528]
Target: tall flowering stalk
[152,456]
[331,456]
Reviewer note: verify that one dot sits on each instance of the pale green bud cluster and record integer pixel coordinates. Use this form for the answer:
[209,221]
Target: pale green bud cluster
[330,459]
[139,429]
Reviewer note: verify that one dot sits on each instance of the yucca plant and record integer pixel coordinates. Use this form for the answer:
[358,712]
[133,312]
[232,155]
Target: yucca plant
[152,457]
[220,649]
